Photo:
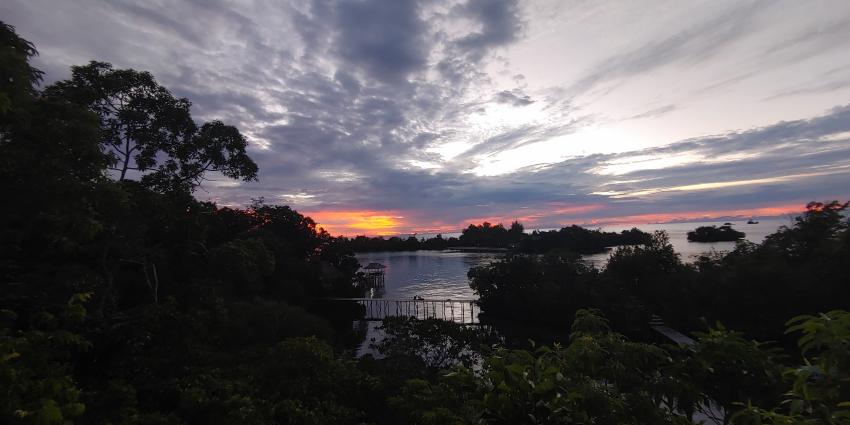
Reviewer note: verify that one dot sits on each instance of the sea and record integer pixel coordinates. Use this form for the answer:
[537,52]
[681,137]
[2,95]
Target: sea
[443,274]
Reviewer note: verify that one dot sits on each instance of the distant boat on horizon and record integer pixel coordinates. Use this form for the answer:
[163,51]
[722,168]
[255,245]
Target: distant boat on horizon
[751,221]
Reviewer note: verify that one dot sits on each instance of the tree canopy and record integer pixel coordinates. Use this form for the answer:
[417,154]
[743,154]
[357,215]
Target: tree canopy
[148,132]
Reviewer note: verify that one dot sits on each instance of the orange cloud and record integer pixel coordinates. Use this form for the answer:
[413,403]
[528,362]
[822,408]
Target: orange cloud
[358,222]
[395,222]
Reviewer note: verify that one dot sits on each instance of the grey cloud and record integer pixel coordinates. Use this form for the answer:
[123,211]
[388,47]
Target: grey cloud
[157,18]
[813,88]
[693,45]
[500,23]
[656,112]
[783,149]
[523,136]
[513,97]
[384,38]
[822,38]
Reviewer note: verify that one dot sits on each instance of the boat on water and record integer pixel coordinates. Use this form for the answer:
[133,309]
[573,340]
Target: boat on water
[751,221]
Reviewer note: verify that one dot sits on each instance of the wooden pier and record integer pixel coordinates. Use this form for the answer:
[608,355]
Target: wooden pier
[453,310]
[657,324]
[374,275]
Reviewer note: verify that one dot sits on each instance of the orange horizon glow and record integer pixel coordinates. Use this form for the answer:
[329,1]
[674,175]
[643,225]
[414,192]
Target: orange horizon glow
[768,211]
[395,222]
[349,222]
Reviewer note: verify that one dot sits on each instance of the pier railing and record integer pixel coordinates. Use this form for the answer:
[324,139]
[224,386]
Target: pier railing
[453,310]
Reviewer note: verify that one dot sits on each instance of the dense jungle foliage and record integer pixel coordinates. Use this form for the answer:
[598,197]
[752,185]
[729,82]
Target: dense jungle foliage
[754,288]
[123,300]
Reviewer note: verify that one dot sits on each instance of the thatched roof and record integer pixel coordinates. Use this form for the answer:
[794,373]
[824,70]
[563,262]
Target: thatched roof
[375,266]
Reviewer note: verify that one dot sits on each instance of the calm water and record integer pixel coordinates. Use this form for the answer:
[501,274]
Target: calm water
[437,274]
[678,233]
[428,274]
[442,275]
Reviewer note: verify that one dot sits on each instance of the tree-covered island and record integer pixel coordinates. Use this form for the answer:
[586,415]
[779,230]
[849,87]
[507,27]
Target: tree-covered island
[514,239]
[724,233]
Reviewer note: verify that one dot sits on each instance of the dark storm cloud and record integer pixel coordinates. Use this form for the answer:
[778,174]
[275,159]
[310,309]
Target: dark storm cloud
[386,39]
[498,23]
[499,20]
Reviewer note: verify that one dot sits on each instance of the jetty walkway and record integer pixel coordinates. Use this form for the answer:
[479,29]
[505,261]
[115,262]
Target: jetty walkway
[454,310]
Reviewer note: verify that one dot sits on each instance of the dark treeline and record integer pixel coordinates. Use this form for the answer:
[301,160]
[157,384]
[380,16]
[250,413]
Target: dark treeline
[754,288]
[580,240]
[574,238]
[124,300]
[723,233]
[394,243]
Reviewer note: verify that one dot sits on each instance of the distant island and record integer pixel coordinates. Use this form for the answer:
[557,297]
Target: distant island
[724,233]
[487,236]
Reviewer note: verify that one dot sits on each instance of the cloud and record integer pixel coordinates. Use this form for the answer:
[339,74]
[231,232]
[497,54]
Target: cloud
[385,39]
[499,21]
[351,107]
[513,97]
[653,113]
[692,45]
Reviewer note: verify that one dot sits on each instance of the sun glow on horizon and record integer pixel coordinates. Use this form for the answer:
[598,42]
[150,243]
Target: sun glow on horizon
[372,223]
[351,222]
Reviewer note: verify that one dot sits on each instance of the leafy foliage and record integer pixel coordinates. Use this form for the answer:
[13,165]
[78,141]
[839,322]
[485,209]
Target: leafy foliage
[18,76]
[430,343]
[145,129]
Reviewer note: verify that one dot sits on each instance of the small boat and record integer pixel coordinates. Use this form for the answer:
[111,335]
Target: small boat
[751,221]
[727,224]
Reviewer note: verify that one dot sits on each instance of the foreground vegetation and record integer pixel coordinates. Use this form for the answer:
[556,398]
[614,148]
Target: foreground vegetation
[123,300]
[754,288]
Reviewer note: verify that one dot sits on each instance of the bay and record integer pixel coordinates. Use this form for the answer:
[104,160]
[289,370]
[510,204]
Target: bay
[443,274]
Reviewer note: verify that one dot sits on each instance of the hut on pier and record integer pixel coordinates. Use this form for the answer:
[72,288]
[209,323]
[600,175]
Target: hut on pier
[375,274]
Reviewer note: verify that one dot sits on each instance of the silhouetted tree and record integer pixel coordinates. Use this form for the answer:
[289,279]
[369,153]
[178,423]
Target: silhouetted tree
[18,77]
[145,129]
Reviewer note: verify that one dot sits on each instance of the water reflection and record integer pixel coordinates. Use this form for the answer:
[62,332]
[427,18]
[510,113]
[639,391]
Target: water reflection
[427,274]
[442,275]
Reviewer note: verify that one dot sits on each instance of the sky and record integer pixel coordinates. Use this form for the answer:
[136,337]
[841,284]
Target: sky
[393,116]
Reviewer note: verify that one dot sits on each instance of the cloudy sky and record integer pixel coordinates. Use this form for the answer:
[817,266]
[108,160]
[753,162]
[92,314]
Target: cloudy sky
[394,116]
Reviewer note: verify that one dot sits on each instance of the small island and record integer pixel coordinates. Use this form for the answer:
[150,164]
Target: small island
[723,233]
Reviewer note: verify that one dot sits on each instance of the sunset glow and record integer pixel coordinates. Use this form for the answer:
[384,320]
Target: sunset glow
[392,223]
[376,223]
